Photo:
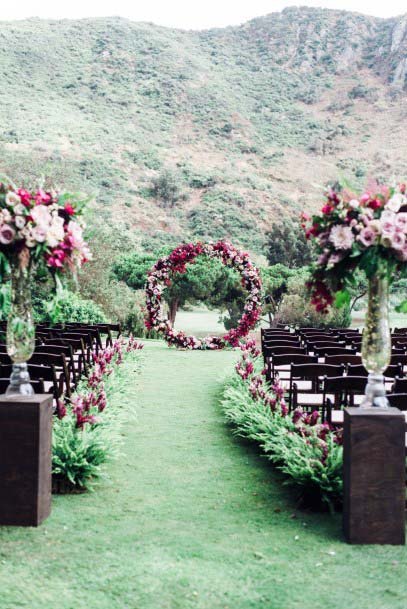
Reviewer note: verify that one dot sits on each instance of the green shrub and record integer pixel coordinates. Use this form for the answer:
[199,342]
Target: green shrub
[316,476]
[166,188]
[69,306]
[78,455]
[296,309]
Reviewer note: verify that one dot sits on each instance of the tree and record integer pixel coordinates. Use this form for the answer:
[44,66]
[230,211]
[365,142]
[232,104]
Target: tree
[286,244]
[166,188]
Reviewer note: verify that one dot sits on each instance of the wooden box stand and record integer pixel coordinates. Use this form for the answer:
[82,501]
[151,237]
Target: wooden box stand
[25,459]
[374,476]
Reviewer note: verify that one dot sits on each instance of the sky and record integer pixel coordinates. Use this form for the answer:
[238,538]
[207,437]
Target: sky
[186,14]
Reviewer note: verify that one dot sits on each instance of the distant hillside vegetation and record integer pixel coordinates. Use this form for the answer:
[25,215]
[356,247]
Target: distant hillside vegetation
[203,134]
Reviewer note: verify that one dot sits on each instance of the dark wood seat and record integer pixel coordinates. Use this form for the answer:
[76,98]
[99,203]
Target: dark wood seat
[398,400]
[314,373]
[43,373]
[287,359]
[326,351]
[58,362]
[360,370]
[400,385]
[343,389]
[343,358]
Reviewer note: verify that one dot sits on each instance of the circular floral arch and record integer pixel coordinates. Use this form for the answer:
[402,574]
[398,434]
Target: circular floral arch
[162,274]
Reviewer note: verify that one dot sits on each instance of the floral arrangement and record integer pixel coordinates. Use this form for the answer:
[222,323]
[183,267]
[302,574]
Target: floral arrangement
[90,400]
[44,228]
[161,276]
[82,432]
[306,450]
[367,232]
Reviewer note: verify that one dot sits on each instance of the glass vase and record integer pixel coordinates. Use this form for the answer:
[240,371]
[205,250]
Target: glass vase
[20,330]
[376,339]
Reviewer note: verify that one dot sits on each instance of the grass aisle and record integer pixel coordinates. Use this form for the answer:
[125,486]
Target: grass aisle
[191,518]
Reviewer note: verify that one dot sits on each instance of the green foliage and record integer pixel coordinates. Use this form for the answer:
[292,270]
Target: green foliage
[275,284]
[286,244]
[78,455]
[297,457]
[69,306]
[296,308]
[220,216]
[166,188]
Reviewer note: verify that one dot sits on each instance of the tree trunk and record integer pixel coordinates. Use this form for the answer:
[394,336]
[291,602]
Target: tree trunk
[172,310]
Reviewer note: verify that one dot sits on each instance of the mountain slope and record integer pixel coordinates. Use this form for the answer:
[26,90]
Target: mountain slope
[248,122]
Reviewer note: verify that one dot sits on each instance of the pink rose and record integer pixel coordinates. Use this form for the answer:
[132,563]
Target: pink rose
[401,221]
[398,241]
[7,234]
[367,237]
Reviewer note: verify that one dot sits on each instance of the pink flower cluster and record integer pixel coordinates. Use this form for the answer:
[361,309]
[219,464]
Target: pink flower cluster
[272,396]
[47,226]
[161,276]
[346,230]
[91,400]
[257,386]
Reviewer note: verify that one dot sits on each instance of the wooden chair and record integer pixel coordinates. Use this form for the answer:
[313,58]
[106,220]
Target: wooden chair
[287,359]
[67,351]
[317,346]
[42,373]
[398,358]
[58,362]
[390,372]
[399,386]
[326,351]
[343,358]
[314,373]
[79,351]
[343,389]
[398,400]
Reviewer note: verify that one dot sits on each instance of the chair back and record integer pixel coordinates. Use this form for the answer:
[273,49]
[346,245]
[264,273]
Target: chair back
[398,400]
[326,351]
[344,388]
[343,358]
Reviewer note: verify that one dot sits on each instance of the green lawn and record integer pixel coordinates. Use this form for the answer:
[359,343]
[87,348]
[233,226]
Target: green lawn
[191,518]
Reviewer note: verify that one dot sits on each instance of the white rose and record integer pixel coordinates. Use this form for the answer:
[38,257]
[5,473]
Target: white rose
[354,204]
[395,202]
[12,199]
[41,215]
[19,209]
[38,234]
[55,232]
[19,221]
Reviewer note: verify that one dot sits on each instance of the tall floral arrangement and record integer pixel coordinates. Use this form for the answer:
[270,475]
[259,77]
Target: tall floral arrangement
[42,228]
[368,232]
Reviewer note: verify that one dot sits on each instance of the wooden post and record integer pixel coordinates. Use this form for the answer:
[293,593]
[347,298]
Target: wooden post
[25,459]
[374,476]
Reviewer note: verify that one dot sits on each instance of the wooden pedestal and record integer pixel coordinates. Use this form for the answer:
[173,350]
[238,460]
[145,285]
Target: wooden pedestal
[374,476]
[25,459]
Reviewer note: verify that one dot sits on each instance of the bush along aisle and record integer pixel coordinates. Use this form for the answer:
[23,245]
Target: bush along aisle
[306,451]
[86,430]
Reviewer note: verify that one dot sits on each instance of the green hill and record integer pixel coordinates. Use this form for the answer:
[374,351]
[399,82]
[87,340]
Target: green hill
[184,134]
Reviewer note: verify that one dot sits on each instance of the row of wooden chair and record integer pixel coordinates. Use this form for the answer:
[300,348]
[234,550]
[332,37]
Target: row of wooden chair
[324,368]
[62,355]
